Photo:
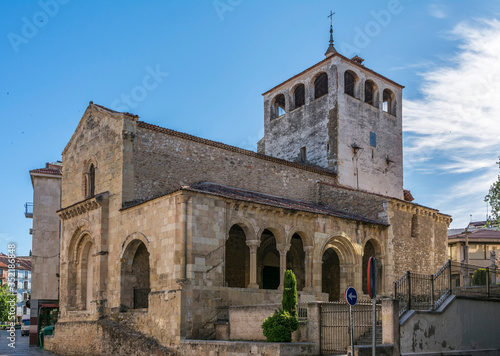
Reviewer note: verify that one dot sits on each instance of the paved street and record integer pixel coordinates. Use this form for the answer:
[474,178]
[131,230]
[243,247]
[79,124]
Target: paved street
[22,348]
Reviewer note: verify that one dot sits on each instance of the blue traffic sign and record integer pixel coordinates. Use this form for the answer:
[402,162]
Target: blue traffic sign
[350,296]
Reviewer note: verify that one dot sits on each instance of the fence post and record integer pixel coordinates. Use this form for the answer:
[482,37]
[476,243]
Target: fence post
[488,282]
[409,289]
[432,292]
[449,279]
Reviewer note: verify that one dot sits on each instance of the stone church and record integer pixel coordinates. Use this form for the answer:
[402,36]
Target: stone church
[164,227]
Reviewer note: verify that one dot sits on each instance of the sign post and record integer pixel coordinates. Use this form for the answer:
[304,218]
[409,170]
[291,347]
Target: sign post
[351,297]
[372,291]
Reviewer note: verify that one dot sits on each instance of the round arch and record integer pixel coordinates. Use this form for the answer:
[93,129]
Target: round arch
[135,274]
[307,238]
[278,232]
[245,225]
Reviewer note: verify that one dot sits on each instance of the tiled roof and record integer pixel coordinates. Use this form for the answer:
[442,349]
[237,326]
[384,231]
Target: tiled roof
[480,234]
[186,136]
[264,199]
[52,171]
[24,262]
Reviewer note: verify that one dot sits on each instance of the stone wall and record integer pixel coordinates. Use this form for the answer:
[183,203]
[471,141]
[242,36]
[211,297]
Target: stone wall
[245,321]
[165,160]
[415,231]
[465,325]
[103,337]
[45,259]
[329,126]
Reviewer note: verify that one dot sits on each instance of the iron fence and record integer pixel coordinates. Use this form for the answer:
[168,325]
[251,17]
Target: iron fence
[335,331]
[416,291]
[302,311]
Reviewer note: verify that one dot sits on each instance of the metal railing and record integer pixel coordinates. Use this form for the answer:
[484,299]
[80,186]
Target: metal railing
[475,281]
[417,291]
[302,311]
[28,210]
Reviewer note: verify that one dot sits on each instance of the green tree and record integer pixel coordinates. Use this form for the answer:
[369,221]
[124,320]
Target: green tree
[279,326]
[289,299]
[3,303]
[493,198]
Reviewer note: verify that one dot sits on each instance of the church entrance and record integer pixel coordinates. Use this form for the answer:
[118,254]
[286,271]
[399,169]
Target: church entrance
[135,283]
[331,274]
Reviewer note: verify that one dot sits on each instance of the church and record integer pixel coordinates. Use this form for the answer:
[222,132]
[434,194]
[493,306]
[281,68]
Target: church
[161,228]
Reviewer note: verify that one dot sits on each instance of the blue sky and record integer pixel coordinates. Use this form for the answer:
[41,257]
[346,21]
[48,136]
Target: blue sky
[213,59]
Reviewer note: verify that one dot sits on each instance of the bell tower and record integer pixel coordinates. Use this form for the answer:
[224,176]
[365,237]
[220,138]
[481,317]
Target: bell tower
[341,116]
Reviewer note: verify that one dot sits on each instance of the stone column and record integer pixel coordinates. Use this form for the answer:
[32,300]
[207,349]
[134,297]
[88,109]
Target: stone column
[253,245]
[282,249]
[317,275]
[308,268]
[314,324]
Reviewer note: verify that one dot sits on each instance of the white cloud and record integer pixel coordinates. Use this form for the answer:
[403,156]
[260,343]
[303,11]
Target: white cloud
[438,11]
[454,129]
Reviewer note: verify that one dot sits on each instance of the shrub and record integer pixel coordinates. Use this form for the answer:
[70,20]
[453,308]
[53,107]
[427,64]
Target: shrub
[289,300]
[279,326]
[479,277]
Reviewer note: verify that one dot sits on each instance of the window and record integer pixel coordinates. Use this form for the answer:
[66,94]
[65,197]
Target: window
[89,182]
[321,85]
[349,83]
[453,252]
[25,274]
[299,96]
[476,251]
[495,248]
[414,225]
[303,156]
[25,285]
[370,93]
[278,107]
[389,103]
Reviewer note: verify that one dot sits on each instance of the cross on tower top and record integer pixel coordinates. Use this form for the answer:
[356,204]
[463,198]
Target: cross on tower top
[331,18]
[331,49]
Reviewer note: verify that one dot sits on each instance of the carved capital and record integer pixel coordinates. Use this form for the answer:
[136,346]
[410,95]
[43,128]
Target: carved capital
[283,248]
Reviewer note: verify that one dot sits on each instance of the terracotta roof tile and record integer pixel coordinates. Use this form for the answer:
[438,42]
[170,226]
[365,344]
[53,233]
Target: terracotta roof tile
[260,198]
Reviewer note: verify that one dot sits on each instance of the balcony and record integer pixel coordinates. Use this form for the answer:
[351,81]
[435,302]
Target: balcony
[28,210]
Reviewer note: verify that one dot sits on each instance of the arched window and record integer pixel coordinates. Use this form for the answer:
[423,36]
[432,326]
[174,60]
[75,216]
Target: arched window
[349,83]
[299,96]
[370,93]
[414,225]
[278,107]
[90,182]
[321,85]
[389,102]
